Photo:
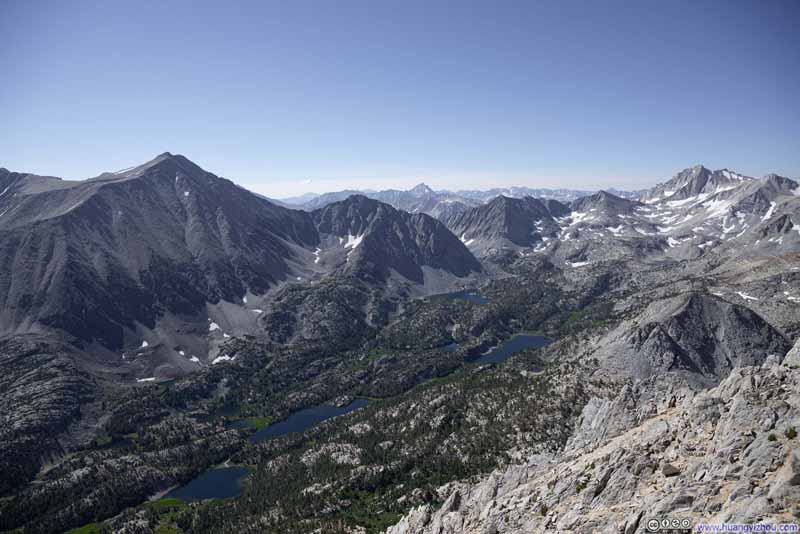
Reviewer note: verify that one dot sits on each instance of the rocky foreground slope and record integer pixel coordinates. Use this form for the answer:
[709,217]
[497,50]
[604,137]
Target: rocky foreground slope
[726,454]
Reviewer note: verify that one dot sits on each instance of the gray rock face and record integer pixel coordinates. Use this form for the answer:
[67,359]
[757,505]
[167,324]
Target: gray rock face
[127,247]
[606,202]
[695,332]
[521,221]
[723,455]
[42,393]
[382,239]
[792,358]
[692,182]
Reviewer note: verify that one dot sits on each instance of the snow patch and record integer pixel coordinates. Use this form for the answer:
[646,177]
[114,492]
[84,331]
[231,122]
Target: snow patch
[716,207]
[212,327]
[150,379]
[745,296]
[145,344]
[579,217]
[615,230]
[769,212]
[353,241]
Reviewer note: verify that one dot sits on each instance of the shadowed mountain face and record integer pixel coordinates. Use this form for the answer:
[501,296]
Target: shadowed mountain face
[43,390]
[381,238]
[696,333]
[605,202]
[93,257]
[692,182]
[98,257]
[522,221]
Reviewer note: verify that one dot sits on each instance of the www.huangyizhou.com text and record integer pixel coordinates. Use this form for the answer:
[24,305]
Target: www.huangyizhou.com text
[742,527]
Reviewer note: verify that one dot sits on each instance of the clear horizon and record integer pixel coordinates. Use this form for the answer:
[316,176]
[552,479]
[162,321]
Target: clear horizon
[286,99]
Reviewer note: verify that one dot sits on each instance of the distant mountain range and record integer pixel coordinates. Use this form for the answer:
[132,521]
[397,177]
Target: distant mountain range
[440,204]
[695,212]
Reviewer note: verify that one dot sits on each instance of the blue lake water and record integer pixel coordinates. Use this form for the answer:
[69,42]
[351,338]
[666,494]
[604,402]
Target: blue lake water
[469,296]
[305,419]
[515,344]
[227,482]
[219,483]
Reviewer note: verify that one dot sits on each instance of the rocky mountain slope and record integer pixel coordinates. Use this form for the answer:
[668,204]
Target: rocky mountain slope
[104,259]
[524,222]
[43,390]
[728,454]
[383,239]
[699,335]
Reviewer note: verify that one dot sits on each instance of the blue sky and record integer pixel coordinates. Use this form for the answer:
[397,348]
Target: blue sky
[288,97]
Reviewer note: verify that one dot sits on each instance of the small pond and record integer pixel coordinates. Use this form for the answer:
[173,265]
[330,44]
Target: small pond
[305,419]
[219,483]
[469,296]
[512,345]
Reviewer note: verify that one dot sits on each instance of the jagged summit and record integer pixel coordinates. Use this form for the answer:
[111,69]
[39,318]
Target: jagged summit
[165,162]
[421,189]
[603,200]
[693,181]
[382,239]
[520,221]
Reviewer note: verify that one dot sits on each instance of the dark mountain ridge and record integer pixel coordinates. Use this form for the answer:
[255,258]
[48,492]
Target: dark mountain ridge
[97,258]
[93,257]
[606,202]
[522,221]
[383,238]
